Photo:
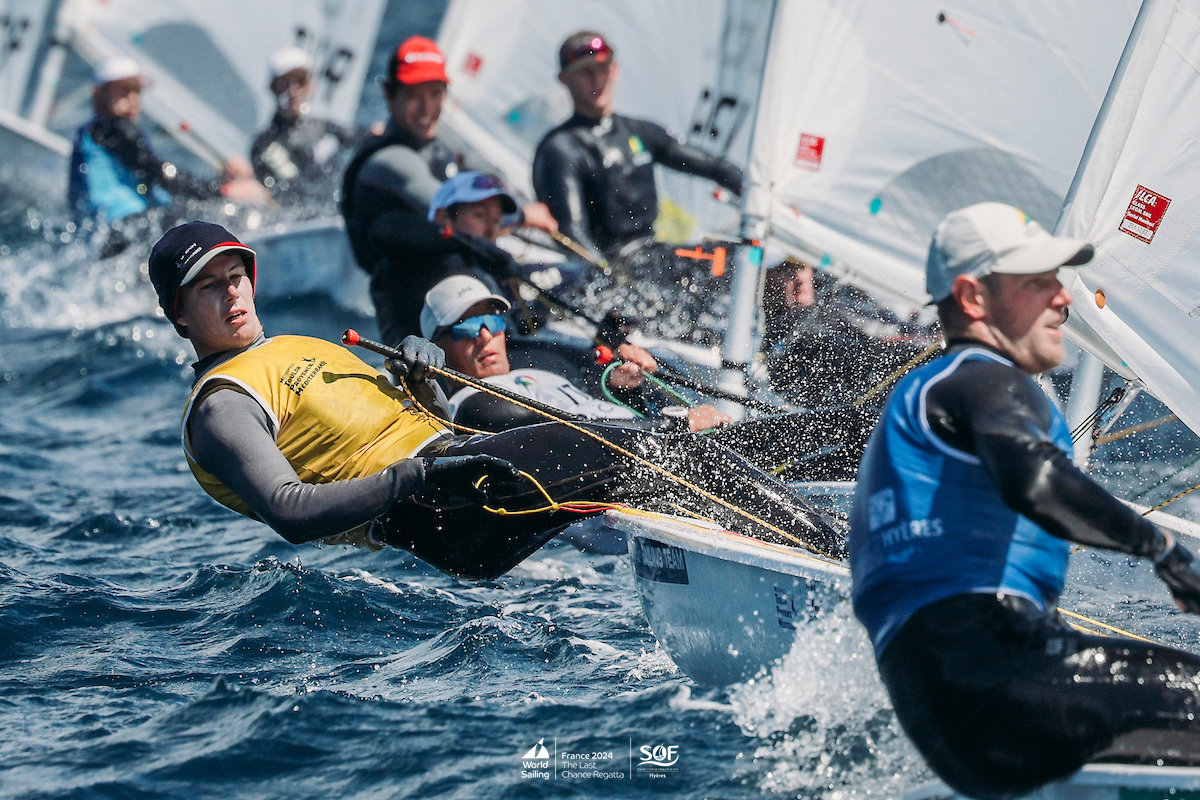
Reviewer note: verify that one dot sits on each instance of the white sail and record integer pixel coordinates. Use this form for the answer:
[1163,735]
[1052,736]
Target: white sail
[209,57]
[1137,197]
[877,118]
[502,59]
[22,41]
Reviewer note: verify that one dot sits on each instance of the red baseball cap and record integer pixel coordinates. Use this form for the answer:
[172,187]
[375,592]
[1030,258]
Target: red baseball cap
[417,60]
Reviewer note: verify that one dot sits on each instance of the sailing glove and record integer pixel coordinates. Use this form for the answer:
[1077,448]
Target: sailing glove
[463,472]
[417,355]
[1177,569]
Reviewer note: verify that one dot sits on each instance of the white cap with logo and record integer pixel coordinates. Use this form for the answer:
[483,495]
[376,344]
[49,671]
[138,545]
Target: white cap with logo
[450,298]
[995,238]
[286,59]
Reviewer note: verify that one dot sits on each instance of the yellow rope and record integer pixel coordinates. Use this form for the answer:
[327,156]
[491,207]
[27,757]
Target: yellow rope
[898,374]
[483,387]
[1100,624]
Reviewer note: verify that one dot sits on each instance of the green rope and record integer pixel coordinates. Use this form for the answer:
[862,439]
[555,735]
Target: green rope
[609,396]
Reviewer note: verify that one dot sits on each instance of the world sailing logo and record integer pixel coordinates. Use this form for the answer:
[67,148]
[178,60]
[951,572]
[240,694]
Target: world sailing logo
[536,761]
[538,751]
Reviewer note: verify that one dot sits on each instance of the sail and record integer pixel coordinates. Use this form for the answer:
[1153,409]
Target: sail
[878,118]
[689,65]
[208,58]
[1137,198]
[23,25]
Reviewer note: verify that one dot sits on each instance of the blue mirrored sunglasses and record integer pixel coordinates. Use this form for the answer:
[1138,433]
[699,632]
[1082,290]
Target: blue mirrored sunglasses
[470,327]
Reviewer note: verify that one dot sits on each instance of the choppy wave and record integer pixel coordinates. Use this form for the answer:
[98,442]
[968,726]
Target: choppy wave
[154,644]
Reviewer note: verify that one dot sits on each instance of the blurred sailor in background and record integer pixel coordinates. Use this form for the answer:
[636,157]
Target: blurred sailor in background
[115,175]
[401,169]
[297,156]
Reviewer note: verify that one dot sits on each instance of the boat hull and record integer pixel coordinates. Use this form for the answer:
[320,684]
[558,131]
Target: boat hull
[1100,782]
[309,257]
[725,607]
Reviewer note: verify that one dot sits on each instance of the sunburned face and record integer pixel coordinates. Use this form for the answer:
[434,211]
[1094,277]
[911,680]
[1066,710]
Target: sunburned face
[592,85]
[416,108]
[481,357]
[216,310]
[1025,315]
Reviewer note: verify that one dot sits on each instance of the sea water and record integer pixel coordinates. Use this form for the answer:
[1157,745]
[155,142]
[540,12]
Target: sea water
[155,644]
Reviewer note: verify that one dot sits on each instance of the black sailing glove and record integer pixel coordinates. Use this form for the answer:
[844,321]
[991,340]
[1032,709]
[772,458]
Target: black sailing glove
[459,474]
[1177,569]
[417,355]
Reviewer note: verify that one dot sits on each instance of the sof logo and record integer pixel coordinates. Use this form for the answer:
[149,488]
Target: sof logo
[659,755]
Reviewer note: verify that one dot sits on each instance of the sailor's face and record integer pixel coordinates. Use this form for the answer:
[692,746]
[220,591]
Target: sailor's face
[1026,313]
[480,219]
[592,84]
[122,99]
[216,310]
[481,357]
[416,108]
[292,92]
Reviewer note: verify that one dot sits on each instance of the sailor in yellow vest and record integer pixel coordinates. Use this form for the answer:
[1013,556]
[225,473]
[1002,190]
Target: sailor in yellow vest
[306,437]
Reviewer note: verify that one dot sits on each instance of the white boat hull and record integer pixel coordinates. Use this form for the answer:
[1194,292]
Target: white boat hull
[33,170]
[309,257]
[1100,782]
[725,607]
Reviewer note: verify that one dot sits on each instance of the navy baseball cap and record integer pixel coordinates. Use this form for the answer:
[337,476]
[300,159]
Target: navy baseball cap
[471,187]
[182,252]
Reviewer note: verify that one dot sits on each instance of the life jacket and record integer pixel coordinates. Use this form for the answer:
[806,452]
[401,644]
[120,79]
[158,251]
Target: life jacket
[101,186]
[335,417]
[928,522]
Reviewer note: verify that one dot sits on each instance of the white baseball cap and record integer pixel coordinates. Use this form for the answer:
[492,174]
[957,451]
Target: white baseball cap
[286,59]
[450,298]
[995,238]
[118,68]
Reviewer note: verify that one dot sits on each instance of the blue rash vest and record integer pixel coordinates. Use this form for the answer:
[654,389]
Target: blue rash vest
[928,522]
[101,185]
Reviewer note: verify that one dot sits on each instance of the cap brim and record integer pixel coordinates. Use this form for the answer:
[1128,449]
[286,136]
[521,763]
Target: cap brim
[202,262]
[1051,253]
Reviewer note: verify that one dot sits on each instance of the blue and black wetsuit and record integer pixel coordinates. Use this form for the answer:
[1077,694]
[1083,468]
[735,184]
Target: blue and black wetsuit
[115,173]
[598,177]
[967,499]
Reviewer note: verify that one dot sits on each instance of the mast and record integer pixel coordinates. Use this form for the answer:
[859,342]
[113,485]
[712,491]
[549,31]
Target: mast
[738,348]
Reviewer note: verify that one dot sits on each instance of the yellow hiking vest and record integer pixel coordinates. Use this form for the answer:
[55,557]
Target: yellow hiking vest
[335,417]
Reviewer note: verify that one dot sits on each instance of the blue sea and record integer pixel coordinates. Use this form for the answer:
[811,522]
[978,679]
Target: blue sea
[154,644]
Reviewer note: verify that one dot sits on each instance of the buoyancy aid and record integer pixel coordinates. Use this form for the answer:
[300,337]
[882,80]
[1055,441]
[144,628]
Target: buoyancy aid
[334,416]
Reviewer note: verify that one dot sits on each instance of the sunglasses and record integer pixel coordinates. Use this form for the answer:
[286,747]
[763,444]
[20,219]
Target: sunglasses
[470,327]
[595,46]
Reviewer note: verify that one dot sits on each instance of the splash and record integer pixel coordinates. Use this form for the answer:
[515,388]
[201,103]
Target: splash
[823,721]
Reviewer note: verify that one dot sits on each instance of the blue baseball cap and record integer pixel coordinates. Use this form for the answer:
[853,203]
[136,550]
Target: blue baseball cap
[182,252]
[471,187]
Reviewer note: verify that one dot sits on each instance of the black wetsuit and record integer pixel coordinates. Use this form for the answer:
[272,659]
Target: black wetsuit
[997,692]
[445,523]
[598,177]
[416,255]
[297,158]
[389,173]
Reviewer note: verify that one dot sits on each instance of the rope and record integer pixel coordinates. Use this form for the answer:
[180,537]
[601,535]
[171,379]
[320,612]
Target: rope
[552,505]
[487,389]
[1139,428]
[612,398]
[1091,419]
[897,374]
[1100,624]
